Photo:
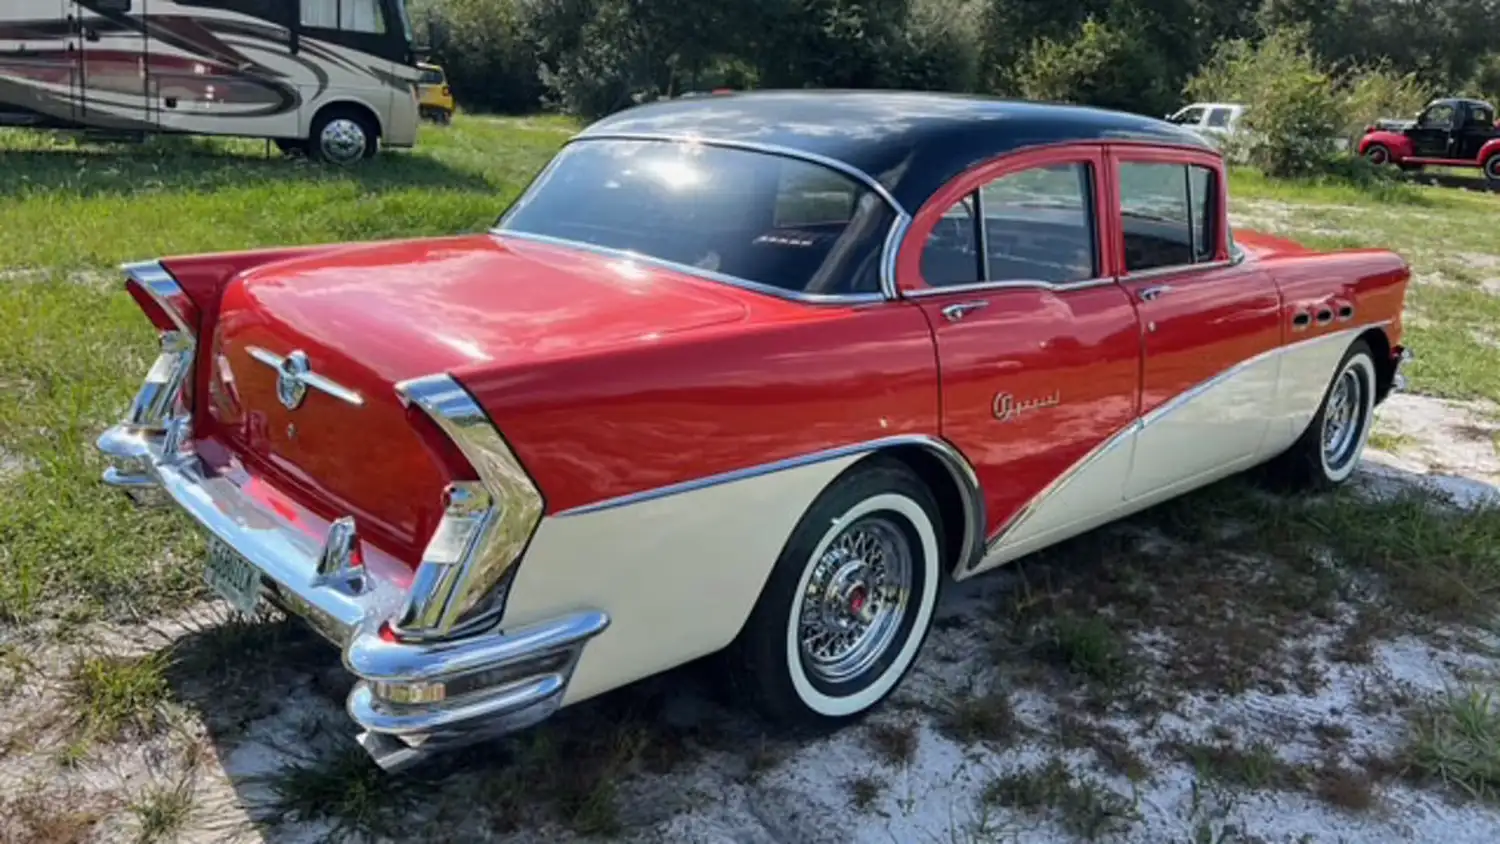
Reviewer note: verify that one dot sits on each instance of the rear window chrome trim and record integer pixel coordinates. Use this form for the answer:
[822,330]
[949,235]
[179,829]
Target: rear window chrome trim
[892,243]
[751,146]
[699,272]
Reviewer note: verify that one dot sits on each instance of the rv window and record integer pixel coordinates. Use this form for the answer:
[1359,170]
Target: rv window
[348,15]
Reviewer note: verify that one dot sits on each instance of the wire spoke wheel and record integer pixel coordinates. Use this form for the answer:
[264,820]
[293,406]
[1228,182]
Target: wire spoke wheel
[855,599]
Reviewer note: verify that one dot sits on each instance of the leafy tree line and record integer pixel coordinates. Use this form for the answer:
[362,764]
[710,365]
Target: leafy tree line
[1312,70]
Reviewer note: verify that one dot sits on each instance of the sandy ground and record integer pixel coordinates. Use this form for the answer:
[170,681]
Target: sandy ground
[225,750]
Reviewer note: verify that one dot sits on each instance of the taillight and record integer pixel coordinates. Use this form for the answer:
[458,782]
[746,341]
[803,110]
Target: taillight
[166,395]
[490,511]
[446,92]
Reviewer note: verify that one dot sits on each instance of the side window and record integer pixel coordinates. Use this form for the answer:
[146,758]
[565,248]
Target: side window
[1188,117]
[1168,214]
[1438,117]
[951,256]
[1039,225]
[1219,118]
[347,15]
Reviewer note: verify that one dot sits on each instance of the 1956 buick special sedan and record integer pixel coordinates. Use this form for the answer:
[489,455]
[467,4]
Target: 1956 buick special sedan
[752,373]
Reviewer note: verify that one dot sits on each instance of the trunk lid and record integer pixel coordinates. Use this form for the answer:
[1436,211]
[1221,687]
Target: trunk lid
[369,317]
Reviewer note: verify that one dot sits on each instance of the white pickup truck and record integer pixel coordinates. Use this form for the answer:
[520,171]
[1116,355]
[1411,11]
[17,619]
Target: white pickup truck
[1214,121]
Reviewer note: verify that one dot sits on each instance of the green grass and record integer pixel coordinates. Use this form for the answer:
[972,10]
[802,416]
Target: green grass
[1457,741]
[1082,806]
[70,205]
[116,697]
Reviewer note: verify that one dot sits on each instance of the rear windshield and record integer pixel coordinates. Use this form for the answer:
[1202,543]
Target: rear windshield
[754,216]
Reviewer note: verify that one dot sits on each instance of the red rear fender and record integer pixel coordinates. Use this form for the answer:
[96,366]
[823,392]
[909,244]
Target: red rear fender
[1397,143]
[203,277]
[1491,148]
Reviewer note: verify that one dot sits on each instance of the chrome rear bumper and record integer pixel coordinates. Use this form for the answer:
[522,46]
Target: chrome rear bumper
[411,698]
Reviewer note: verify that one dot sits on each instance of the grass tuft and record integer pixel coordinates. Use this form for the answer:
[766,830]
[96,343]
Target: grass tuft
[1457,741]
[163,812]
[864,791]
[1081,805]
[895,744]
[345,789]
[116,696]
[989,717]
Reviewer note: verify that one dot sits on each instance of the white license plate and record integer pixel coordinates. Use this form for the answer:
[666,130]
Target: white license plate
[231,575]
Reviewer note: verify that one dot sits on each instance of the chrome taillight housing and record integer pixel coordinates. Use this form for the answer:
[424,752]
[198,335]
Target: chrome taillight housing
[162,407]
[465,572]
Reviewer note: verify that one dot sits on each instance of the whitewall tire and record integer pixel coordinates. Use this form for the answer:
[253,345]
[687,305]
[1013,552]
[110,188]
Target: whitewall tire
[1329,450]
[849,603]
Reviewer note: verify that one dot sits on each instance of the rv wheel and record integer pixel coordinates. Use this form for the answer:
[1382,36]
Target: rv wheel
[342,137]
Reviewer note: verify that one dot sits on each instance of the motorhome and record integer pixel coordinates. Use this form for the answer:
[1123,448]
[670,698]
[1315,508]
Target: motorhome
[334,78]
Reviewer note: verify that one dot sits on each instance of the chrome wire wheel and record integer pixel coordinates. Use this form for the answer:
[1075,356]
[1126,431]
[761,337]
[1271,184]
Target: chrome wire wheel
[855,599]
[1344,420]
[343,141]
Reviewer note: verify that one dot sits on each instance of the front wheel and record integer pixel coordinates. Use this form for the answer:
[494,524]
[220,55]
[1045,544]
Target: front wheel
[1378,155]
[1329,450]
[848,603]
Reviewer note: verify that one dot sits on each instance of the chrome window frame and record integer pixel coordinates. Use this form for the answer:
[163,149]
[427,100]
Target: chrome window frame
[895,233]
[1097,279]
[1220,221]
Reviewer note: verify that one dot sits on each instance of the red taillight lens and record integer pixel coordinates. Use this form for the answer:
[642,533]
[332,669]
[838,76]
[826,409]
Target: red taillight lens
[446,92]
[440,446]
[156,310]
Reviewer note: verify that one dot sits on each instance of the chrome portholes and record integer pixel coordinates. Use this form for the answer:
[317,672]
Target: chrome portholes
[855,599]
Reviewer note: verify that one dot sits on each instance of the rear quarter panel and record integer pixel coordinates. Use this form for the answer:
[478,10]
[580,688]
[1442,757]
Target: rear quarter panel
[679,573]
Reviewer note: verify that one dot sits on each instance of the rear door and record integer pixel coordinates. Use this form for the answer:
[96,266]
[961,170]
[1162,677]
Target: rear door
[1038,348]
[1209,325]
[111,43]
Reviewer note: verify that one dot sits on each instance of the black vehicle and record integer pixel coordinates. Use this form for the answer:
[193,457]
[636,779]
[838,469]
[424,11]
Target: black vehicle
[1453,132]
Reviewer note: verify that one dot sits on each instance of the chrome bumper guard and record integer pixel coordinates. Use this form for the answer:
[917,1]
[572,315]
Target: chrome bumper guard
[1398,381]
[412,699]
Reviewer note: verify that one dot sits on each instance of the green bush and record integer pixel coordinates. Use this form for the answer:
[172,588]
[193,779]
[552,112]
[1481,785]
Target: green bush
[491,61]
[1376,92]
[1102,65]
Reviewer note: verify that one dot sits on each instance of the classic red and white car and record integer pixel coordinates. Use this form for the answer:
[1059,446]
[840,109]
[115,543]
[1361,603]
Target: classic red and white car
[753,373]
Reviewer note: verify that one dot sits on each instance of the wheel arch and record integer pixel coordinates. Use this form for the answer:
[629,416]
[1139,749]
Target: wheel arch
[1385,364]
[951,478]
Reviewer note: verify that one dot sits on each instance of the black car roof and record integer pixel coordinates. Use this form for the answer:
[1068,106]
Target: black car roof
[911,142]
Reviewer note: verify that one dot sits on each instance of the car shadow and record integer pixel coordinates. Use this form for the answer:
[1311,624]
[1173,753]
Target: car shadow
[190,167]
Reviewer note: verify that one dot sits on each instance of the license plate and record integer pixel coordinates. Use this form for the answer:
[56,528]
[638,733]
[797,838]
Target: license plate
[231,575]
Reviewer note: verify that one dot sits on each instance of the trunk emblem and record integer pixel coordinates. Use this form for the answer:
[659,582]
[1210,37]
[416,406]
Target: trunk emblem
[294,375]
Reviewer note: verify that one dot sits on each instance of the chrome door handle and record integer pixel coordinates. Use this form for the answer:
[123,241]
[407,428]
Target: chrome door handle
[1151,294]
[956,312]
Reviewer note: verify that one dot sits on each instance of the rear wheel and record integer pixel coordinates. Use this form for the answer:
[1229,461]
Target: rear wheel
[848,604]
[342,136]
[1329,450]
[1492,170]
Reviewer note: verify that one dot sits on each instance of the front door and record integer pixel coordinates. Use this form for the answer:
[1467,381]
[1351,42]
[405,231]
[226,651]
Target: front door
[111,41]
[1433,135]
[1209,326]
[1038,348]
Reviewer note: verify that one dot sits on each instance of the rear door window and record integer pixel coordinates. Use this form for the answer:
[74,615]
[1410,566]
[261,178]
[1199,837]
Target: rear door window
[1167,214]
